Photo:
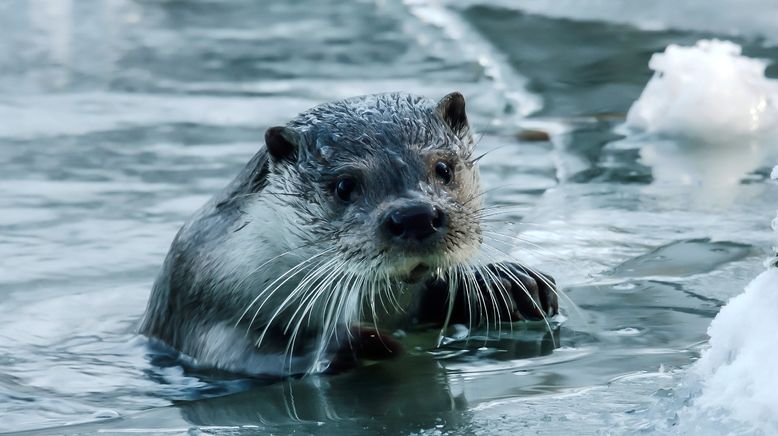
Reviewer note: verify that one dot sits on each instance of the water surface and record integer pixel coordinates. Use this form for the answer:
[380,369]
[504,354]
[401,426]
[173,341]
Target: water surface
[120,118]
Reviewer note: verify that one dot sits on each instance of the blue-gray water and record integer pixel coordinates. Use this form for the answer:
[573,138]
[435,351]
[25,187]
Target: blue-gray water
[119,118]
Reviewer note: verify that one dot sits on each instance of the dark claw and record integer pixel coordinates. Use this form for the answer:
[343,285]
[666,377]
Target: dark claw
[520,294]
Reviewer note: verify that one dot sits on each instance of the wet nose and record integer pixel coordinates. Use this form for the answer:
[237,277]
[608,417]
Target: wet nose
[416,222]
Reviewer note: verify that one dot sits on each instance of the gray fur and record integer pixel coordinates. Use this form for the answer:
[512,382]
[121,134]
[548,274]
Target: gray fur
[208,300]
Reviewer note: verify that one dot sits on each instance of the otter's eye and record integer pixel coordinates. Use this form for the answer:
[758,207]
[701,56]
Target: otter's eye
[444,171]
[345,187]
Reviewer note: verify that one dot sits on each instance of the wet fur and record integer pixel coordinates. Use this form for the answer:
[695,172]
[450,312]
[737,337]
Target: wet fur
[226,295]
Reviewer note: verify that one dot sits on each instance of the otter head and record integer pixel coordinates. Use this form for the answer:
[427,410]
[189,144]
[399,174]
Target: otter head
[386,182]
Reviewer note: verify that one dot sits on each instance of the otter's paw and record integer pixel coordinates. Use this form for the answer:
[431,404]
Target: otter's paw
[517,293]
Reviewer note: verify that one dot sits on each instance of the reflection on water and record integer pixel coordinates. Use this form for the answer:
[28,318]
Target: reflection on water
[122,117]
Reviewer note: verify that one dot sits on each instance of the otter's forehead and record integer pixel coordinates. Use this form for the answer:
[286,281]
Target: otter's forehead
[382,124]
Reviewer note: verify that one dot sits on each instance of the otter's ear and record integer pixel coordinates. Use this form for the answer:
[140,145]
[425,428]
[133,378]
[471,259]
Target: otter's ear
[282,143]
[452,109]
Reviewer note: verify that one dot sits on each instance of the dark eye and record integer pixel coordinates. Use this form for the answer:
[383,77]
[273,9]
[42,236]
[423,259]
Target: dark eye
[444,171]
[345,187]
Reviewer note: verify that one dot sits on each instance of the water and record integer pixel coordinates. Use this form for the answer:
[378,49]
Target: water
[122,117]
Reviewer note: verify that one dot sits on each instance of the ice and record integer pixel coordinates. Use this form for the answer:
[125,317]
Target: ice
[709,92]
[739,368]
[749,18]
[474,47]
[737,379]
[707,117]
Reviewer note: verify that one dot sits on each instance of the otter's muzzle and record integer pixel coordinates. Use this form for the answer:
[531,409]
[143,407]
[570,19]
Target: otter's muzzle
[414,223]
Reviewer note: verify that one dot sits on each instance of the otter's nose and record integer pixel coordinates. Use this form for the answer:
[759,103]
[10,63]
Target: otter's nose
[416,222]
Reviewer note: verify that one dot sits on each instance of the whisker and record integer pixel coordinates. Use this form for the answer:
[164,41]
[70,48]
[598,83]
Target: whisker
[291,296]
[479,298]
[527,293]
[331,306]
[554,288]
[482,155]
[255,270]
[500,287]
[524,289]
[375,283]
[537,249]
[270,291]
[309,299]
[332,310]
[468,299]
[453,285]
[490,294]
[312,297]
[484,192]
[311,278]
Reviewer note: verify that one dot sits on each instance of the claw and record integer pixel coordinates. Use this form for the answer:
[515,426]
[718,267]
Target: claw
[513,293]
[531,295]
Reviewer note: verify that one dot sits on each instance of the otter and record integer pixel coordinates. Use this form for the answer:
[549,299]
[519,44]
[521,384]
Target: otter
[357,217]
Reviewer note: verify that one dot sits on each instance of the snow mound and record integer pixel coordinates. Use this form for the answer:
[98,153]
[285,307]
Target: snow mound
[738,371]
[708,117]
[708,92]
[739,387]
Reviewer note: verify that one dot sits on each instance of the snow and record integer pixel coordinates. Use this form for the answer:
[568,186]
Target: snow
[739,388]
[738,371]
[708,117]
[708,92]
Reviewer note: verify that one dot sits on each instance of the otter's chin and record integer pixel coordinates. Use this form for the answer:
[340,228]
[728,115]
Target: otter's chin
[418,272]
